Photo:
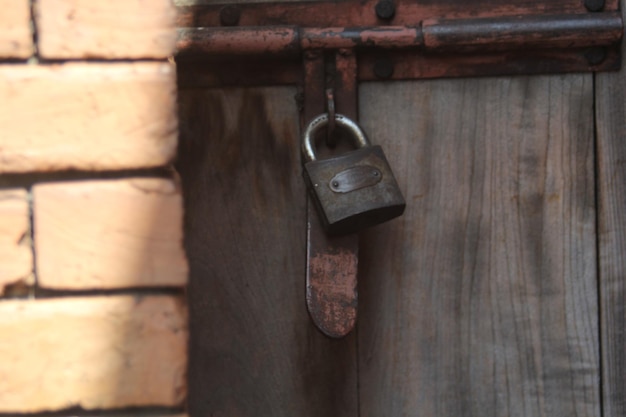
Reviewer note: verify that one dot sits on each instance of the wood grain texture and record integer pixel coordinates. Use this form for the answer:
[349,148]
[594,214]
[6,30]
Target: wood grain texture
[140,413]
[611,171]
[106,116]
[482,299]
[16,254]
[92,352]
[108,234]
[111,29]
[254,350]
[16,40]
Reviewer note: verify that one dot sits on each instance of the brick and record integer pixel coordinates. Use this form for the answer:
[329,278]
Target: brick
[106,29]
[109,234]
[92,352]
[16,40]
[99,116]
[16,259]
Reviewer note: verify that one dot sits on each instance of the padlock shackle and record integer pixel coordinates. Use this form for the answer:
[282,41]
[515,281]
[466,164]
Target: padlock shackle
[308,148]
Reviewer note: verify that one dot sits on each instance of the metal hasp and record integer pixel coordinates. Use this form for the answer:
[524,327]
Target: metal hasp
[326,48]
[329,83]
[263,43]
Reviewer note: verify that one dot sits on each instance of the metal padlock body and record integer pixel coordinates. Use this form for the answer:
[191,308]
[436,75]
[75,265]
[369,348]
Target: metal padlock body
[355,190]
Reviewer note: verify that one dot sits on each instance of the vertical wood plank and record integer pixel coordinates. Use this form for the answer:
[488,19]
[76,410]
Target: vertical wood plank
[482,299]
[254,351]
[611,172]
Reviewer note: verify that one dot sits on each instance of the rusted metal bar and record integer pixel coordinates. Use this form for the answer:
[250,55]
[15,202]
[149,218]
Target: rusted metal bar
[361,13]
[331,278]
[377,37]
[332,262]
[545,32]
[560,31]
[346,85]
[239,41]
[292,40]
[400,65]
[408,65]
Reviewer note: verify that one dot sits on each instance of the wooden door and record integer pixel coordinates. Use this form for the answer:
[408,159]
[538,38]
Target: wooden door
[500,292]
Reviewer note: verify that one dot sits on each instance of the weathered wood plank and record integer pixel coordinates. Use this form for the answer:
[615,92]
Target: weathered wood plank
[139,413]
[611,131]
[254,351]
[482,299]
[92,352]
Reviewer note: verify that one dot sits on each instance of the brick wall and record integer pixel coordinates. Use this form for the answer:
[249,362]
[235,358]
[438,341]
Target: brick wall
[92,270]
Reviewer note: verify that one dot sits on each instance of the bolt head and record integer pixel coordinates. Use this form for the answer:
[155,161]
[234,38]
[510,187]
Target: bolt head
[230,15]
[594,5]
[383,69]
[385,9]
[595,56]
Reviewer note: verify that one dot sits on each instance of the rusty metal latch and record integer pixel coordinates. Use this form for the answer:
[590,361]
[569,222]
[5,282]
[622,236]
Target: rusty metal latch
[330,85]
[433,35]
[403,39]
[327,47]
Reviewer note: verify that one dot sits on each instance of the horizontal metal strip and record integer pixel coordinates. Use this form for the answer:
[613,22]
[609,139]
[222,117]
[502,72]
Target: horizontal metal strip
[399,65]
[486,34]
[361,13]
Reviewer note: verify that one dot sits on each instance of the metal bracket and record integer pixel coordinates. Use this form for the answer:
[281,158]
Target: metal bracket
[332,262]
[290,43]
[262,43]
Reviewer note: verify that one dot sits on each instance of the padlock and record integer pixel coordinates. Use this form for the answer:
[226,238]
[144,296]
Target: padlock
[352,191]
